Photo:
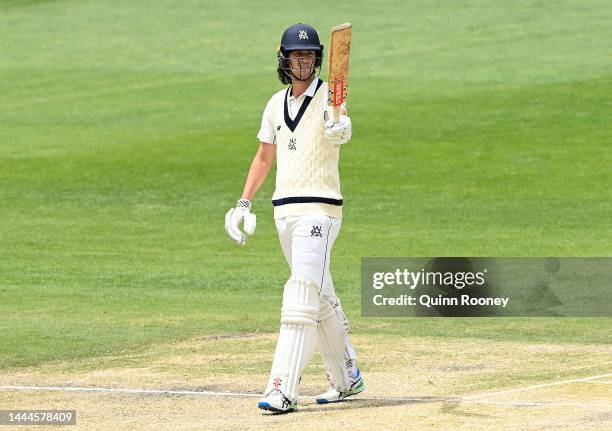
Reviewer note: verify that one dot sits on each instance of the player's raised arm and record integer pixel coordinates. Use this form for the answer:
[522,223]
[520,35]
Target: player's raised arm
[260,167]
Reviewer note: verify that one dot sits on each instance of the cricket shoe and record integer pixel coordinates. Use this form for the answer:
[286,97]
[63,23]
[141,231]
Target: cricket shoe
[277,402]
[335,396]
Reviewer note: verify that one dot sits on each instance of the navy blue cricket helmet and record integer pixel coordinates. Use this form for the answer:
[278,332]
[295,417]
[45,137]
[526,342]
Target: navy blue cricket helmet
[298,37]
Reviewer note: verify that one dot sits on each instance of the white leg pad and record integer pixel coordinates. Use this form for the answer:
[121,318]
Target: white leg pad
[332,333]
[298,336]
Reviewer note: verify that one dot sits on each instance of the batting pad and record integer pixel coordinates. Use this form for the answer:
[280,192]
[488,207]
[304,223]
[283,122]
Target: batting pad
[298,335]
[331,333]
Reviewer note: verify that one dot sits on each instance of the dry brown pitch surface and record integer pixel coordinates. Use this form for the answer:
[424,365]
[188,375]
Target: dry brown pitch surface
[413,383]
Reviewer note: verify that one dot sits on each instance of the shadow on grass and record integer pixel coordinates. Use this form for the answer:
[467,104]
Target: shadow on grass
[449,405]
[372,402]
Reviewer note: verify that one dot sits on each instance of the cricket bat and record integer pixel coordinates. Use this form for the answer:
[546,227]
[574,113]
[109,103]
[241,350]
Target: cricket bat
[338,64]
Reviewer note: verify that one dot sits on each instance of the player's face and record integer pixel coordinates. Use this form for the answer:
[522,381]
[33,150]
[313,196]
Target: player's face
[302,63]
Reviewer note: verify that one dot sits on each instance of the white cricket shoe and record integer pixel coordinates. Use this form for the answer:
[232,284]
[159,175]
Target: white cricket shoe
[335,396]
[277,402]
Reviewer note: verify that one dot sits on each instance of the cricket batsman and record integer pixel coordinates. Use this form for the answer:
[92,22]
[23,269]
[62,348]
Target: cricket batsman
[308,214]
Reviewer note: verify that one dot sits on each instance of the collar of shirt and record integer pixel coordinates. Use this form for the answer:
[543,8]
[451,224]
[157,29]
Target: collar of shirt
[310,91]
[294,103]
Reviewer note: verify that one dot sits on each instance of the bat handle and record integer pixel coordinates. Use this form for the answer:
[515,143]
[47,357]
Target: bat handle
[336,114]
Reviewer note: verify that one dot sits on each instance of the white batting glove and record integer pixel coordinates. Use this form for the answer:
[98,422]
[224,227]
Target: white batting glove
[242,213]
[338,133]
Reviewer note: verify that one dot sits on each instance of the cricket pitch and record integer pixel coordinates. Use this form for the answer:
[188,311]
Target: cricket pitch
[412,383]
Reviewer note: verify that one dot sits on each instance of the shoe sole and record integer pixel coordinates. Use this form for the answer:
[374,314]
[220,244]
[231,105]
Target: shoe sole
[269,408]
[359,389]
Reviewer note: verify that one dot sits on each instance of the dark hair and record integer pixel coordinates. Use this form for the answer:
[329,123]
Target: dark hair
[282,75]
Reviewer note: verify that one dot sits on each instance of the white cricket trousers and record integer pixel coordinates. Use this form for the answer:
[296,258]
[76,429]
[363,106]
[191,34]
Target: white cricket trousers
[307,243]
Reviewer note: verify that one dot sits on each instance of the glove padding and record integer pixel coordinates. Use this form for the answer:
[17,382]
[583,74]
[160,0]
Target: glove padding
[338,133]
[242,213]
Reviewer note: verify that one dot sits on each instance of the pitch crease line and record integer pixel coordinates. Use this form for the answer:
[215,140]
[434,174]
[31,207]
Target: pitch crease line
[129,391]
[528,388]
[250,395]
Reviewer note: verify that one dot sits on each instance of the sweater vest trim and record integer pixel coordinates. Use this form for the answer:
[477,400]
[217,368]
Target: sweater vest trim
[292,124]
[306,199]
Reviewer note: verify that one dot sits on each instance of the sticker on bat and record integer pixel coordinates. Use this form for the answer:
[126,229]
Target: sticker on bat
[338,93]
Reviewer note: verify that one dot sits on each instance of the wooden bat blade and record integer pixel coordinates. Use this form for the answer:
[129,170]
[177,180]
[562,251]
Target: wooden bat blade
[338,67]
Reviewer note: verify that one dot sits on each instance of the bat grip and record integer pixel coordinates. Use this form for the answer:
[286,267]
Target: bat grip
[336,114]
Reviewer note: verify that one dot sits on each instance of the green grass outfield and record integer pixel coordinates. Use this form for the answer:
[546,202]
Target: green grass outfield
[127,128]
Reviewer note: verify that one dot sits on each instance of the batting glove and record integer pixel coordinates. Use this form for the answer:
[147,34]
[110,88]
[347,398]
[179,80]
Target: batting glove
[338,133]
[233,218]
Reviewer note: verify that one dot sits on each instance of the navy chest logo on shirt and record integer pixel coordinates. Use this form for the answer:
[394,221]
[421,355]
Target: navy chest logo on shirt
[292,142]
